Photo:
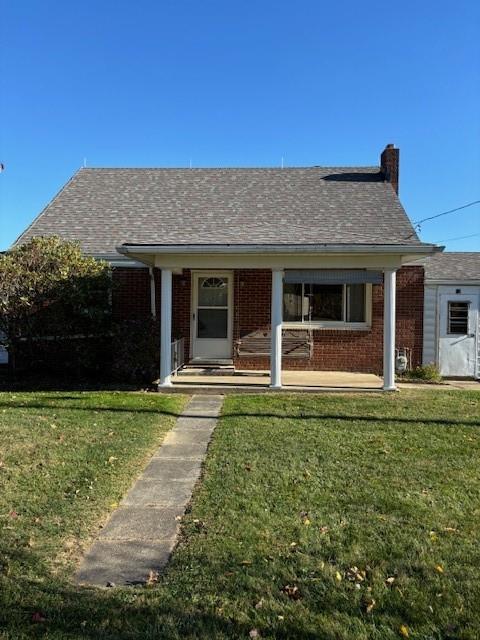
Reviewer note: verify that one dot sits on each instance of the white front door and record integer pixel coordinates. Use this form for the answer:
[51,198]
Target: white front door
[212,315]
[458,335]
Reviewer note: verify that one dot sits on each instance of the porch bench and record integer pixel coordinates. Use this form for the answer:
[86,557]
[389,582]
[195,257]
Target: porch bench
[295,344]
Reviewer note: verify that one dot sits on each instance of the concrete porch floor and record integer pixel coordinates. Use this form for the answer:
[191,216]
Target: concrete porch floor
[259,381]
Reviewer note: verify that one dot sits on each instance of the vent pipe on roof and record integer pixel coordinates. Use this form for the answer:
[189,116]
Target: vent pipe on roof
[389,165]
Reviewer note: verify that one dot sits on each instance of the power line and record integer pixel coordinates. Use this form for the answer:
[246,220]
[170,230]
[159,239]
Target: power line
[472,235]
[444,213]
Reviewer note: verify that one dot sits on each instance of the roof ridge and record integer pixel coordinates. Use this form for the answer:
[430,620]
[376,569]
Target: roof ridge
[253,168]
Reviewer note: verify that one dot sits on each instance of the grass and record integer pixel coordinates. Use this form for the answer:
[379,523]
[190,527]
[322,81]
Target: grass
[336,517]
[66,459]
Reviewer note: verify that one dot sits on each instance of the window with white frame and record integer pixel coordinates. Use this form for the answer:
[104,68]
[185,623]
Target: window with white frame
[325,304]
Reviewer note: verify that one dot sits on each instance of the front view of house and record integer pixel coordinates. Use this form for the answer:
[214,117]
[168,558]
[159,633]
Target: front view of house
[294,268]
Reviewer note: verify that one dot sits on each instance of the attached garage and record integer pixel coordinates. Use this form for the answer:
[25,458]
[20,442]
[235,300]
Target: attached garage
[451,325]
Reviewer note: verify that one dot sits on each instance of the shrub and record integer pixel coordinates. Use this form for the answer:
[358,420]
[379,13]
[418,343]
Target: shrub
[52,295]
[426,372]
[135,350]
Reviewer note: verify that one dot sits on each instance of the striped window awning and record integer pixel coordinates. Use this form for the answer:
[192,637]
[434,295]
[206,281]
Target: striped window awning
[333,276]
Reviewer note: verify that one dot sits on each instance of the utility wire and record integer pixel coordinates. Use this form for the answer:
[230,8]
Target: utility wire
[472,235]
[444,213]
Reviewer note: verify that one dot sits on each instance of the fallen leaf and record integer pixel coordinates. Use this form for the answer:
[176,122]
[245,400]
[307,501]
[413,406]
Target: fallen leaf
[354,574]
[390,580]
[291,591]
[280,617]
[404,631]
[112,459]
[246,563]
[152,578]
[38,617]
[114,505]
[439,568]
[338,576]
[323,530]
[370,604]
[259,604]
[13,514]
[307,522]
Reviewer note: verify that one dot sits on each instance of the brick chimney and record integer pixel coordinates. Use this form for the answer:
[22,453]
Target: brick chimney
[389,165]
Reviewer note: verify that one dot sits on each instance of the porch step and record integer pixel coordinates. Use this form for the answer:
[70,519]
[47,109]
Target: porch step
[214,363]
[199,370]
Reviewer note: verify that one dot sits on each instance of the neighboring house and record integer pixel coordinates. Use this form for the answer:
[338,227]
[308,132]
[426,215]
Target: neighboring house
[230,257]
[451,336]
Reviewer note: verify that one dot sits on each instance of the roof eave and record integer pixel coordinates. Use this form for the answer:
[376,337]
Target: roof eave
[459,282]
[416,250]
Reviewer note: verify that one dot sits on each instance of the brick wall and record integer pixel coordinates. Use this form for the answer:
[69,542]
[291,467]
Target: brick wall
[332,349]
[338,350]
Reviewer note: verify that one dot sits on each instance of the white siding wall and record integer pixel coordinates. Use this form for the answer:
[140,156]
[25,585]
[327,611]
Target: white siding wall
[430,325]
[431,319]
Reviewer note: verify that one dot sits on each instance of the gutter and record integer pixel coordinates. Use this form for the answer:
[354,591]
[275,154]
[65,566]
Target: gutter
[161,249]
[453,283]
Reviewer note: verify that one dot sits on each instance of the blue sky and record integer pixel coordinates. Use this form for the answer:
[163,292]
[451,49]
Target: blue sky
[222,83]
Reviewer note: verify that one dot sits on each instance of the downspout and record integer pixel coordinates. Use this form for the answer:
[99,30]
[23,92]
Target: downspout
[153,306]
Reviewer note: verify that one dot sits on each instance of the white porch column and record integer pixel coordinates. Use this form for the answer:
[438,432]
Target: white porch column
[389,279]
[166,329]
[276,323]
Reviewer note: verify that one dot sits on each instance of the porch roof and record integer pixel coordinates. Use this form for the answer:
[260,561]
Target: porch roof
[277,256]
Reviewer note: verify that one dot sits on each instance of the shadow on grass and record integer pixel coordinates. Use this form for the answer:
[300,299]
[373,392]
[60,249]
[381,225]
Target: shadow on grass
[277,416]
[182,607]
[126,613]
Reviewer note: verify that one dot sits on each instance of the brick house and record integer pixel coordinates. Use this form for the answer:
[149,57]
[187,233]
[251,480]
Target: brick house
[295,268]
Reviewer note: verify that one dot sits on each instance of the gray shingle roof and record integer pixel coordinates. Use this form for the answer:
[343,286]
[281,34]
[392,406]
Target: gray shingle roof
[459,266]
[104,208]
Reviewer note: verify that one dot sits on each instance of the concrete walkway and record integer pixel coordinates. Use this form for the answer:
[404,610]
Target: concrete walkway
[141,534]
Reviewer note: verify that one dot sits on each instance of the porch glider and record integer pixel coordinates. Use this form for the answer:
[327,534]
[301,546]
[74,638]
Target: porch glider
[333,276]
[295,343]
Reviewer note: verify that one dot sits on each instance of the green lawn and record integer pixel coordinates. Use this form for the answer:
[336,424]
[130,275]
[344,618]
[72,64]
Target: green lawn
[328,516]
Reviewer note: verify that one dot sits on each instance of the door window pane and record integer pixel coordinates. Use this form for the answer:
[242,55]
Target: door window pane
[355,303]
[458,317]
[325,302]
[212,323]
[212,292]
